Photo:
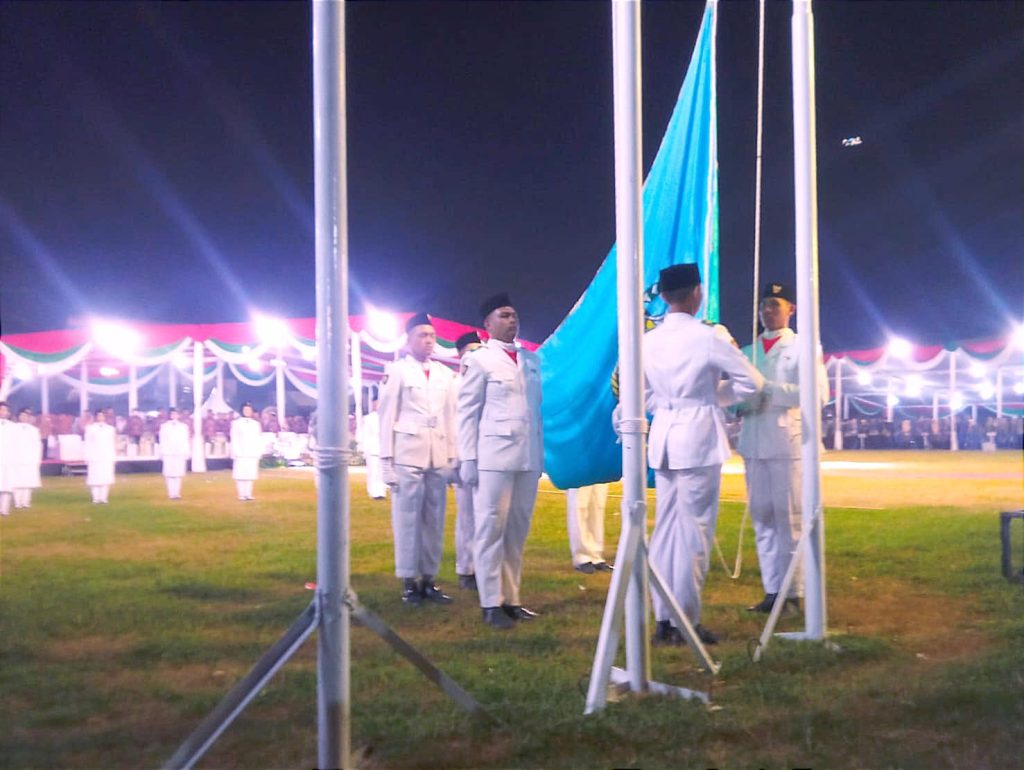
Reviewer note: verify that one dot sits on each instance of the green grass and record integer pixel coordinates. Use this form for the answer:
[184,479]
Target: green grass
[121,626]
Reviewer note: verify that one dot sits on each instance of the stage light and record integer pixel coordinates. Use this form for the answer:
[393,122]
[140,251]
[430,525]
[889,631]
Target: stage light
[1018,388]
[255,364]
[308,354]
[915,384]
[956,403]
[1018,336]
[182,361]
[22,371]
[864,378]
[976,370]
[116,338]
[271,331]
[900,348]
[382,325]
[986,391]
[892,400]
[108,371]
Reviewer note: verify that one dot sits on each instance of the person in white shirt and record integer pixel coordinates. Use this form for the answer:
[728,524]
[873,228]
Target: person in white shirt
[246,451]
[585,509]
[370,442]
[8,449]
[465,527]
[769,443]
[175,448]
[27,459]
[684,361]
[100,447]
[501,454]
[417,450]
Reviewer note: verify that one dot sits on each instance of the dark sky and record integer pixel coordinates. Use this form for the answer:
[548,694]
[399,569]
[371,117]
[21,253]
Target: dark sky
[157,159]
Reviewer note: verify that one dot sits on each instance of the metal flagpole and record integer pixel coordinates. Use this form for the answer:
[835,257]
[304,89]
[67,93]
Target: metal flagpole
[806,199]
[331,204]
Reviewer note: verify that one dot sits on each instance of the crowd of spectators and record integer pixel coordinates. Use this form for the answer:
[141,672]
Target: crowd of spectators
[926,433]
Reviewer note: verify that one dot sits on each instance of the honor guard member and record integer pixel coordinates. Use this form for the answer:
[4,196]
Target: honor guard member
[26,460]
[175,449]
[370,441]
[465,528]
[8,448]
[246,451]
[769,442]
[501,453]
[100,456]
[417,451]
[585,507]
[684,360]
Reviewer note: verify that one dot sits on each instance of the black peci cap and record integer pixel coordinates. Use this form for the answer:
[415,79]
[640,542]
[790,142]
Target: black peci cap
[677,277]
[469,338]
[493,303]
[780,290]
[420,319]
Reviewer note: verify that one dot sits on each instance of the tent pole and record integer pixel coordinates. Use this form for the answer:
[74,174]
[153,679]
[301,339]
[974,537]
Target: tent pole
[954,441]
[198,444]
[44,395]
[806,193]
[837,440]
[331,221]
[133,389]
[83,394]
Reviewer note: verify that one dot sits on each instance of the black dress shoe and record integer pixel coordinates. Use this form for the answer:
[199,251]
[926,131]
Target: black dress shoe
[517,612]
[765,605]
[411,593]
[666,635]
[496,618]
[467,582]
[432,593]
[603,566]
[586,568]
[706,635]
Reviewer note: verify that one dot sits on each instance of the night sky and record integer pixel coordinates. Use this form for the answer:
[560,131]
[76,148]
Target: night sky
[157,159]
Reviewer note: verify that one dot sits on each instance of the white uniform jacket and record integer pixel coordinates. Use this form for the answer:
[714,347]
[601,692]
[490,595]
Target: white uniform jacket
[775,432]
[246,448]
[8,451]
[175,447]
[417,414]
[684,360]
[500,424]
[28,456]
[100,453]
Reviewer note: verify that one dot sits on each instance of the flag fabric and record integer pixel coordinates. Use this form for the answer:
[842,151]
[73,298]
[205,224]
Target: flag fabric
[680,224]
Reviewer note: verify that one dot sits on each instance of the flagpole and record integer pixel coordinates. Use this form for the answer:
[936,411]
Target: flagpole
[806,200]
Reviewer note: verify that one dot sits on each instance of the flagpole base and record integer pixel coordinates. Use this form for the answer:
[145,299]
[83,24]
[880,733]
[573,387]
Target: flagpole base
[618,687]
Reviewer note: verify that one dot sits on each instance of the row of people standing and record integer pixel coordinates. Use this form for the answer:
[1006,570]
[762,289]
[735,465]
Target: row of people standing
[21,452]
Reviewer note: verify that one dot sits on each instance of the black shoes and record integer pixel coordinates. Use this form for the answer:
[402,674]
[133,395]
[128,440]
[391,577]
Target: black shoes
[411,592]
[415,592]
[765,605]
[467,582]
[706,635]
[586,568]
[496,617]
[603,566]
[667,635]
[517,612]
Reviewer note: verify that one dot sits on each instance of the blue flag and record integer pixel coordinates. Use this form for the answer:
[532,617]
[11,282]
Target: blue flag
[680,201]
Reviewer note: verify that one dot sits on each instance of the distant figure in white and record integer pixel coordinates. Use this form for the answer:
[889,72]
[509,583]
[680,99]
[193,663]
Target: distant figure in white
[27,457]
[246,451]
[585,509]
[465,526]
[369,439]
[175,449]
[100,456]
[8,447]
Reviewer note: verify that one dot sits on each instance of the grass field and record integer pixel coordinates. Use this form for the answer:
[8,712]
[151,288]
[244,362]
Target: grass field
[121,626]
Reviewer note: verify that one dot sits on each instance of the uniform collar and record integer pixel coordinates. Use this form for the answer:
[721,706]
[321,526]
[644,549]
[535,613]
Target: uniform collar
[678,319]
[785,331]
[497,344]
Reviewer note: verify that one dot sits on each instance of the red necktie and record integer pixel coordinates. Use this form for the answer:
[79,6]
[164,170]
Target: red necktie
[768,344]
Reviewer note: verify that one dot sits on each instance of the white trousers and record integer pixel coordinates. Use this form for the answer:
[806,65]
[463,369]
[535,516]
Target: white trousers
[375,486]
[173,486]
[417,519]
[23,497]
[585,509]
[684,530]
[244,488]
[503,507]
[773,493]
[100,493]
[465,530]
[5,503]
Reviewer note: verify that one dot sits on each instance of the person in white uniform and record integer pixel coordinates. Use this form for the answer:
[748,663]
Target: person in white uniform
[585,508]
[175,448]
[465,527]
[8,450]
[417,451]
[370,442]
[501,455]
[100,448]
[684,361]
[769,442]
[27,458]
[246,451]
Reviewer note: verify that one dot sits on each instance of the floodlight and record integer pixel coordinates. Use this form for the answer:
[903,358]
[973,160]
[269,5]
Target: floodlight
[119,339]
[892,400]
[308,353]
[864,378]
[977,370]
[22,371]
[915,384]
[1018,388]
[900,348]
[382,325]
[1018,336]
[109,371]
[986,391]
[271,331]
[956,402]
[182,361]
[255,364]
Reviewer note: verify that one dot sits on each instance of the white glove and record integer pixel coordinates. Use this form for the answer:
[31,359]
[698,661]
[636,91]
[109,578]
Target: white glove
[387,471]
[468,474]
[451,474]
[617,420]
